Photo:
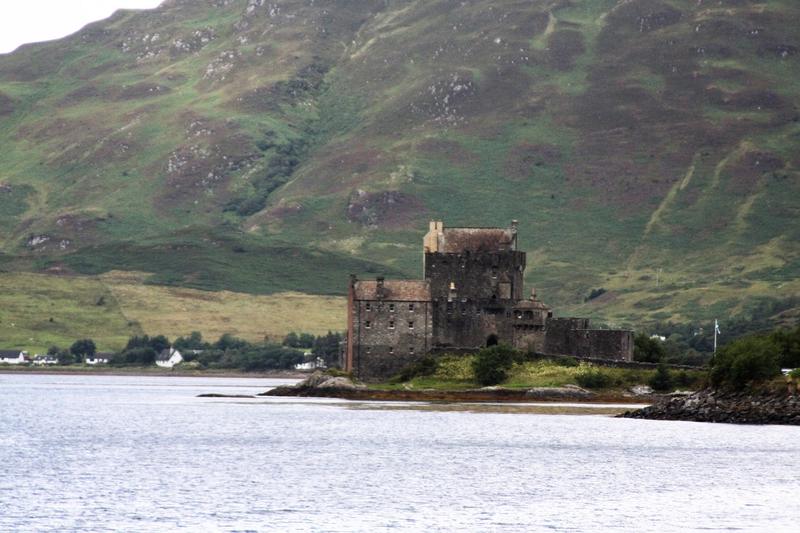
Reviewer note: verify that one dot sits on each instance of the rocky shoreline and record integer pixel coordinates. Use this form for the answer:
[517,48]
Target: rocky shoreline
[323,386]
[762,407]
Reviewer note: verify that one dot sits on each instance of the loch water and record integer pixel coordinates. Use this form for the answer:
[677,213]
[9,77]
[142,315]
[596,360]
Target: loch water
[112,453]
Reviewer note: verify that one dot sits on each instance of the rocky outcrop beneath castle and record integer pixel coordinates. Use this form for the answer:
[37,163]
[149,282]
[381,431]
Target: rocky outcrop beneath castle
[765,407]
[324,386]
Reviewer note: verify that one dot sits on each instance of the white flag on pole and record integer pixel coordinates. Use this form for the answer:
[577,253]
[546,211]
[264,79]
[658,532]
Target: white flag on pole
[716,328]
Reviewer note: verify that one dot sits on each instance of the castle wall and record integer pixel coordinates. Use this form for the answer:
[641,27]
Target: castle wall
[572,336]
[389,335]
[604,344]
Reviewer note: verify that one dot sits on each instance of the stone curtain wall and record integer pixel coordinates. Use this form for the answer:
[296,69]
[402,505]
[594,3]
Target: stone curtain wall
[381,350]
[572,336]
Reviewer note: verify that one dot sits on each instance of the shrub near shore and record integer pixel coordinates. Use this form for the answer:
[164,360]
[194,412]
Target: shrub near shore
[755,358]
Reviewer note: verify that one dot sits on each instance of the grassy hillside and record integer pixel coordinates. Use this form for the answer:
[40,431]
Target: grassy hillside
[39,311]
[647,147]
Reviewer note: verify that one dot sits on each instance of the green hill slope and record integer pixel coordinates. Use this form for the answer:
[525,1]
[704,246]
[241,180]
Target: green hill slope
[647,147]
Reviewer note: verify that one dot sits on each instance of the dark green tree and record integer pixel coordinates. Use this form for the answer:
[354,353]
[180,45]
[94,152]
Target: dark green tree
[141,356]
[82,349]
[647,350]
[159,343]
[229,342]
[292,340]
[748,359]
[328,347]
[138,341]
[306,340]
[65,358]
[193,342]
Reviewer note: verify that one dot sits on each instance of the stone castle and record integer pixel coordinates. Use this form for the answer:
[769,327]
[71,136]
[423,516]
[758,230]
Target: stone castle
[471,297]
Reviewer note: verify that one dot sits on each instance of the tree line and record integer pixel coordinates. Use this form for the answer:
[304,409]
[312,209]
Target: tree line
[228,352]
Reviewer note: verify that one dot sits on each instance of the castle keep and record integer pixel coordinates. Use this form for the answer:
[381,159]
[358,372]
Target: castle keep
[471,297]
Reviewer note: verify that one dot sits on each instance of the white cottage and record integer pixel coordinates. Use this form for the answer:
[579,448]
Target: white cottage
[168,358]
[13,357]
[100,358]
[47,359]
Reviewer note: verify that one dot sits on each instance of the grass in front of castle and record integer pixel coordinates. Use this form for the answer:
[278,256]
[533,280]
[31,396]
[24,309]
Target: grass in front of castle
[456,373]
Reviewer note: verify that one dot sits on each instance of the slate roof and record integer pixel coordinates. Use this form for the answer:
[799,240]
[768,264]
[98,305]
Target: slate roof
[394,289]
[10,354]
[165,354]
[458,240]
[531,304]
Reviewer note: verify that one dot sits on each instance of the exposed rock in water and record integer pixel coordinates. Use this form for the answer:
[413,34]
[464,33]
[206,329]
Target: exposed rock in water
[766,407]
[317,380]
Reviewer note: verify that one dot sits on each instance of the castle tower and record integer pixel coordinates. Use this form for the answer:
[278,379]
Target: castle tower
[484,270]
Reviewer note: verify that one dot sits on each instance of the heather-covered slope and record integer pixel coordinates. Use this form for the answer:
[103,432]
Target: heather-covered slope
[647,147]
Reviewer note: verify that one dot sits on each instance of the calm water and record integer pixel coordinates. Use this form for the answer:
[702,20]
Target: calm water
[99,453]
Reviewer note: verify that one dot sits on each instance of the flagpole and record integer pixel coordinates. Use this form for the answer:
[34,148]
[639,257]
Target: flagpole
[716,329]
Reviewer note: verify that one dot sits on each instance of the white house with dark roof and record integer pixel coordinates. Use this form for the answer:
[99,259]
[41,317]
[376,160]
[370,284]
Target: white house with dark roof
[100,358]
[46,359]
[13,357]
[169,357]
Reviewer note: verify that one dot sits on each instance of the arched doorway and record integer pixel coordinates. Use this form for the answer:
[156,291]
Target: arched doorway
[491,340]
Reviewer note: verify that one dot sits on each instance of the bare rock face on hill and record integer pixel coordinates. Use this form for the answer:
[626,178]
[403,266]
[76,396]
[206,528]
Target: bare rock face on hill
[635,137]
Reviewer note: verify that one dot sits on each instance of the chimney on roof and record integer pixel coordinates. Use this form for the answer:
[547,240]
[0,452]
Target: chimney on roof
[380,291]
[533,294]
[514,228]
[432,241]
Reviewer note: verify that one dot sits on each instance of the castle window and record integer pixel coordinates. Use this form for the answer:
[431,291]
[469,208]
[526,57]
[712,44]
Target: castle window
[494,272]
[367,324]
[391,349]
[391,308]
[449,307]
[369,350]
[519,314]
[463,310]
[391,324]
[369,306]
[410,324]
[410,307]
[411,350]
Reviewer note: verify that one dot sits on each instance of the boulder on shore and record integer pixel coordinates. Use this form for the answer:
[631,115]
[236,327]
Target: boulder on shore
[764,407]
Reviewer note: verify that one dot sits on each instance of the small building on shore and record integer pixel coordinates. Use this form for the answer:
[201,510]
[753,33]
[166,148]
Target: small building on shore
[45,360]
[100,358]
[168,358]
[13,357]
